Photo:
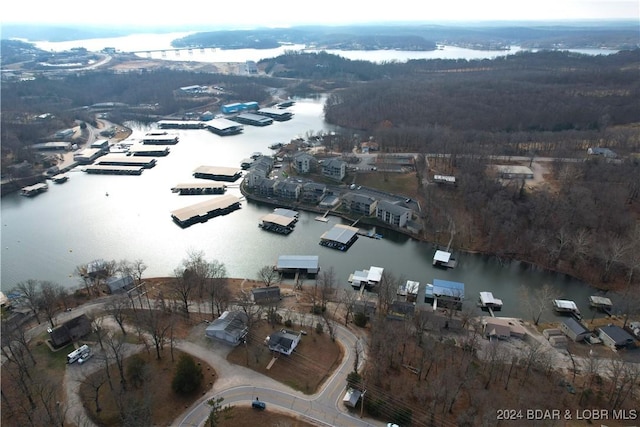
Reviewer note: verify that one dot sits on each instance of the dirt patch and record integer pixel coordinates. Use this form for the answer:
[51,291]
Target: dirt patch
[312,362]
[242,416]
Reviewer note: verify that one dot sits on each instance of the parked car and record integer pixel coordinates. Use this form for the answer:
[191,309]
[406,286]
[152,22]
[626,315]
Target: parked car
[84,358]
[258,405]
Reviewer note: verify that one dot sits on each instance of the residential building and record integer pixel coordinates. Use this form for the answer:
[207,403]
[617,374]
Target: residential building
[393,213]
[265,187]
[303,162]
[313,192]
[119,284]
[231,327]
[287,189]
[513,172]
[359,204]
[283,341]
[335,169]
[69,331]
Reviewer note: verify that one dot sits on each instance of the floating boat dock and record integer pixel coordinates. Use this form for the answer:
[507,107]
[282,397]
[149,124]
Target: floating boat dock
[281,224]
[276,114]
[446,293]
[253,119]
[489,303]
[340,237]
[160,138]
[217,173]
[60,178]
[224,127]
[149,150]
[203,211]
[199,188]
[34,189]
[126,161]
[444,259]
[563,306]
[113,170]
[601,303]
[181,124]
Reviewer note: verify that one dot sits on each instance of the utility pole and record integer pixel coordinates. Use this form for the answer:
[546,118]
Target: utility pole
[362,402]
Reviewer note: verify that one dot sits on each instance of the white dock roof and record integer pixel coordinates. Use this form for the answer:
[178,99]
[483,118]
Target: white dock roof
[565,304]
[442,256]
[282,220]
[488,298]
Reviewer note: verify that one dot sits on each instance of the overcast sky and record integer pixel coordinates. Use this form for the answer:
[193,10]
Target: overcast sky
[252,13]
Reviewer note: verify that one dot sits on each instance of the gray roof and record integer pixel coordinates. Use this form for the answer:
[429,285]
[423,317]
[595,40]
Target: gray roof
[271,293]
[298,261]
[393,208]
[617,334]
[358,198]
[232,322]
[575,326]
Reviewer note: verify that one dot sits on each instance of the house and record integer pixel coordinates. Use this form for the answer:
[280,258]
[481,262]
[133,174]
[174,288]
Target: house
[392,213]
[401,310]
[266,295]
[71,330]
[615,337]
[231,327]
[264,186]
[359,204]
[502,328]
[283,341]
[303,162]
[574,329]
[119,284]
[335,169]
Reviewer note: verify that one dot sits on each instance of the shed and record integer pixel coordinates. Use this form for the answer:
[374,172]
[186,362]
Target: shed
[558,341]
[231,327]
[267,295]
[615,337]
[119,284]
[351,397]
[553,332]
[574,329]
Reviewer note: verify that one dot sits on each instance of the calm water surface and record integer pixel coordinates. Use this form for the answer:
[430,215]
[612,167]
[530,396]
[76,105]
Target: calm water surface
[47,236]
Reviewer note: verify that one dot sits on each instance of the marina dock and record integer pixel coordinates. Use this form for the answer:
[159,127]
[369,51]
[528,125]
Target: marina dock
[601,303]
[149,150]
[224,127]
[489,303]
[126,161]
[340,237]
[276,223]
[199,188]
[203,211]
[113,170]
[276,114]
[60,178]
[253,119]
[444,259]
[160,138]
[32,190]
[563,306]
[218,173]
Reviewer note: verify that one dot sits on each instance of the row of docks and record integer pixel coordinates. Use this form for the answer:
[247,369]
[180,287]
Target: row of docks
[118,165]
[199,188]
[160,138]
[203,211]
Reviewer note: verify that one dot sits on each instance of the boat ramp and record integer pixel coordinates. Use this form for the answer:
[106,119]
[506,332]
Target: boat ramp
[199,188]
[34,189]
[203,211]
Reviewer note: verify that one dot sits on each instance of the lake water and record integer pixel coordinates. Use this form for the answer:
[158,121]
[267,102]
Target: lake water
[152,45]
[47,236]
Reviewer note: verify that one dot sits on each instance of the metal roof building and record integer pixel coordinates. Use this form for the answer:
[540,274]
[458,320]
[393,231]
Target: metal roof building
[302,263]
[230,327]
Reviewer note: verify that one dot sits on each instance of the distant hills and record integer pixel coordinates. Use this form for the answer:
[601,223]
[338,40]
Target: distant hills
[543,35]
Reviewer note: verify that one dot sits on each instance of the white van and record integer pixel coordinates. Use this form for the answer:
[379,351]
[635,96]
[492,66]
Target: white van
[77,353]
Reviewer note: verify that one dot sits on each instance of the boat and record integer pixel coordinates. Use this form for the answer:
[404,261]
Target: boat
[32,190]
[488,302]
[563,306]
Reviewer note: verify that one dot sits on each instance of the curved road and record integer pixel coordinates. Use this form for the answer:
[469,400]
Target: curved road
[239,385]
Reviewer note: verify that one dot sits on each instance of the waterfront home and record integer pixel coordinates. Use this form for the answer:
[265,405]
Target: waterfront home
[264,186]
[360,204]
[69,331]
[231,327]
[287,189]
[502,327]
[392,213]
[313,192]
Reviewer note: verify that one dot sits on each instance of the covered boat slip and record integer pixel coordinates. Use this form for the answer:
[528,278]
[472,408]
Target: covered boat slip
[564,306]
[224,127]
[148,150]
[601,303]
[277,223]
[340,237]
[201,212]
[296,264]
[126,161]
[445,293]
[114,170]
[160,138]
[32,190]
[218,173]
[366,279]
[199,188]
[443,259]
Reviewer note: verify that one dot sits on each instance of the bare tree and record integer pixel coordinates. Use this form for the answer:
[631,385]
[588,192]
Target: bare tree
[117,308]
[538,301]
[348,299]
[30,294]
[49,303]
[268,275]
